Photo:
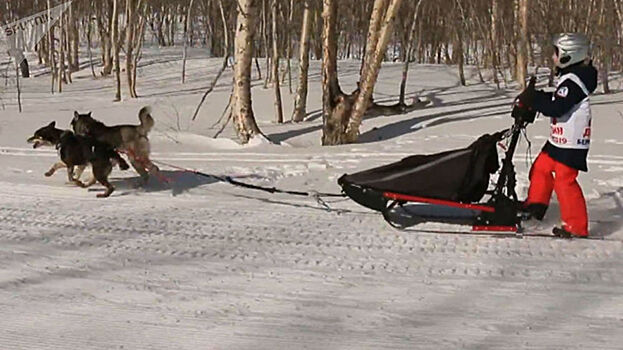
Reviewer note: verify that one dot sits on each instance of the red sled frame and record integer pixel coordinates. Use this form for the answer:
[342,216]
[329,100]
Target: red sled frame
[471,206]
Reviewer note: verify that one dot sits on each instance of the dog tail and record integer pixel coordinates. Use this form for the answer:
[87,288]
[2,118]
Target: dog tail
[147,122]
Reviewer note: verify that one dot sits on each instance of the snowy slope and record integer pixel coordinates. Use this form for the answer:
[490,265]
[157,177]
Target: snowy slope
[197,264]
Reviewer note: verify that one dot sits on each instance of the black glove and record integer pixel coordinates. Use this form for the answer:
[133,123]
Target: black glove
[523,110]
[526,97]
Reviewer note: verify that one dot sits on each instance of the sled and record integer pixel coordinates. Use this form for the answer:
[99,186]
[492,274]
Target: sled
[446,187]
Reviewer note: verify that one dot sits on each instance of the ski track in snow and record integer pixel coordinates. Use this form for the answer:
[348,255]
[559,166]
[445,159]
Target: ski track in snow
[301,278]
[204,265]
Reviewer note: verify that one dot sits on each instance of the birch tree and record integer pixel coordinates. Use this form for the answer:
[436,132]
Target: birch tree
[409,48]
[373,65]
[116,46]
[334,103]
[522,52]
[187,23]
[242,109]
[300,104]
[275,66]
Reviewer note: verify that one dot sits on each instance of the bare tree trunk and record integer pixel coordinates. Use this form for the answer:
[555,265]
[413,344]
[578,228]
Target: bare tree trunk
[421,47]
[89,44]
[373,34]
[242,109]
[530,51]
[225,30]
[107,43]
[618,6]
[494,39]
[459,56]
[138,44]
[160,22]
[207,25]
[372,69]
[477,61]
[187,22]
[609,30]
[115,47]
[409,54]
[511,40]
[130,29]
[278,105]
[289,45]
[61,57]
[19,89]
[173,26]
[266,50]
[74,41]
[259,69]
[334,104]
[317,26]
[300,104]
[41,51]
[67,71]
[51,60]
[522,54]
[459,53]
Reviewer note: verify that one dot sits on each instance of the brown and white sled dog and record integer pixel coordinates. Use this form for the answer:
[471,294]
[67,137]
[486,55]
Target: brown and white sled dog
[129,139]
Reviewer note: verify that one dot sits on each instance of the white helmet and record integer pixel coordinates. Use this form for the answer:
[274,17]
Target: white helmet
[572,48]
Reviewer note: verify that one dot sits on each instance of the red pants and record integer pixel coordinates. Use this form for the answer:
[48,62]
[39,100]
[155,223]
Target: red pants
[547,175]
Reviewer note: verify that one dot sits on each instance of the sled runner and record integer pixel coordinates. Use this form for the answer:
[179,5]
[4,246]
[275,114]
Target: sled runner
[447,187]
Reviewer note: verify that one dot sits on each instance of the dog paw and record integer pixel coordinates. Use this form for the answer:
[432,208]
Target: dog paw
[105,194]
[49,173]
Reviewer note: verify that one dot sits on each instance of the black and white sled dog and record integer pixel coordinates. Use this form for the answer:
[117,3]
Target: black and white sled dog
[77,151]
[129,139]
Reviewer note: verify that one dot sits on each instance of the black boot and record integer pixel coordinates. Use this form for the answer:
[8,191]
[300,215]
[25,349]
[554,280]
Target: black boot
[533,211]
[562,233]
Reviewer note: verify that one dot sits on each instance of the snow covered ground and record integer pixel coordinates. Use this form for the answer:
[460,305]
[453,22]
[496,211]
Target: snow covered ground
[197,264]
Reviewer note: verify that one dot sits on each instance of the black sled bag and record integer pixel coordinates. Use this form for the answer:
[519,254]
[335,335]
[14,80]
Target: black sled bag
[460,175]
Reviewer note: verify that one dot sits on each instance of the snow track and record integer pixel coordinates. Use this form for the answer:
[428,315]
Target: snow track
[194,269]
[228,268]
[264,237]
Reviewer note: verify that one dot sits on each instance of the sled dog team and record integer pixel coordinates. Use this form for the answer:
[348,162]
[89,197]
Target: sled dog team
[93,143]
